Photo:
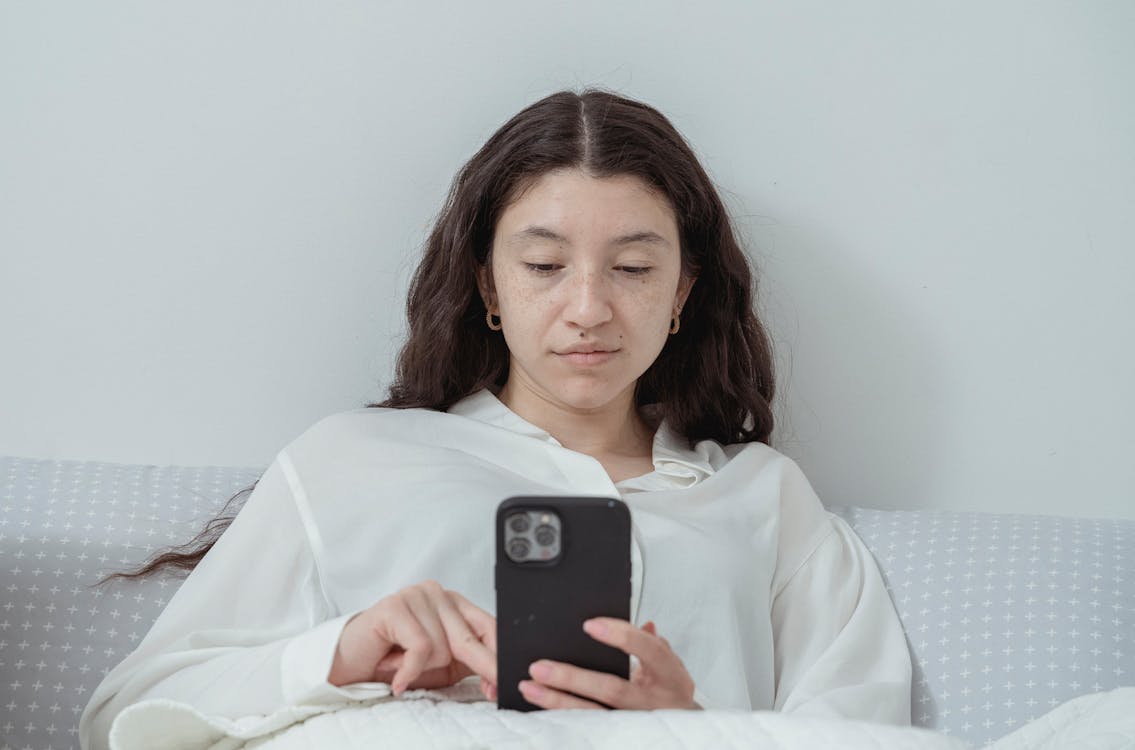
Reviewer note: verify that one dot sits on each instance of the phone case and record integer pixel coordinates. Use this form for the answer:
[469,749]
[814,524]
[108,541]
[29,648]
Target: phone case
[541,606]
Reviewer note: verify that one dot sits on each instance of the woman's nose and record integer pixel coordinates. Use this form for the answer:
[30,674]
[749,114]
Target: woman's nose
[589,302]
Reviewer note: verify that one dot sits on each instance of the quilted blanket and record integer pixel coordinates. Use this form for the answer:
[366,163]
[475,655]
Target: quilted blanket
[459,718]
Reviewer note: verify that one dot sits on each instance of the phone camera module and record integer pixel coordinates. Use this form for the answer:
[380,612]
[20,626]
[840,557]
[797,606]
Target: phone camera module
[518,548]
[532,535]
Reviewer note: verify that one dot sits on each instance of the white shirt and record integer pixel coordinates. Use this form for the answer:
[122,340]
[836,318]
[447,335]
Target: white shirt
[771,601]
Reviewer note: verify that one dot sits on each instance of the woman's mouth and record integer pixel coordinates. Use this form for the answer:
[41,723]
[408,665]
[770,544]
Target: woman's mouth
[587,359]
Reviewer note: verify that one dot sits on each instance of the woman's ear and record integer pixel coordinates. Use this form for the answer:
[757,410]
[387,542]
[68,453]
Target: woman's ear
[685,285]
[485,286]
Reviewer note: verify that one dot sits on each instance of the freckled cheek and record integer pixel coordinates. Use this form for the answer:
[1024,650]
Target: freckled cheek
[525,303]
[654,309]
[512,295]
[526,314]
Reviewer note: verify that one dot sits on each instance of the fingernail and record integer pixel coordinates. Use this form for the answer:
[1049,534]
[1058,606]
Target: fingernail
[595,627]
[539,670]
[531,688]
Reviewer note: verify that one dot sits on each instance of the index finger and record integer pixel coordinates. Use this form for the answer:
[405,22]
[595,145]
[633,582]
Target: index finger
[483,623]
[627,637]
[463,642]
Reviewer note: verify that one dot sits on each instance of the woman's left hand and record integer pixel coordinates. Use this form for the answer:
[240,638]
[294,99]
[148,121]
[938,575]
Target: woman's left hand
[659,681]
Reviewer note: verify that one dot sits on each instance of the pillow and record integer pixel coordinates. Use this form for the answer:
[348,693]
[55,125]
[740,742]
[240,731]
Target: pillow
[1007,616]
[63,525]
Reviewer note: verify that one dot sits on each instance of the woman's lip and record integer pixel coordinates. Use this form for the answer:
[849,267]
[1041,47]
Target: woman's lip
[588,358]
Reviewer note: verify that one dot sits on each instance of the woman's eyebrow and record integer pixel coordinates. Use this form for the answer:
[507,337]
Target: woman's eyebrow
[543,233]
[650,238]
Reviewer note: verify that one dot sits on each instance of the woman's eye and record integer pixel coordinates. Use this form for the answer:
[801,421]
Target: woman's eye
[635,270]
[542,268]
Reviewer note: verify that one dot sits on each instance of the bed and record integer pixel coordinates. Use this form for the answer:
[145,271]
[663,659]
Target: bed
[1021,629]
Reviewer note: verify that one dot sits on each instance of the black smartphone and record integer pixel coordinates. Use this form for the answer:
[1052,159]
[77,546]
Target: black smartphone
[559,561]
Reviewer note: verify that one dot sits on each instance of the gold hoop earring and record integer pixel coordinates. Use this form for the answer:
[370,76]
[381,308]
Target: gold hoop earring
[489,320]
[675,323]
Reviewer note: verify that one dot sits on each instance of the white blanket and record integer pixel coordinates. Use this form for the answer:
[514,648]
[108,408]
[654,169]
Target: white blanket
[459,717]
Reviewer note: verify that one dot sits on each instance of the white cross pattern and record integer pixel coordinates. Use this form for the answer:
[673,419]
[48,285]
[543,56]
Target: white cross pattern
[68,637]
[991,565]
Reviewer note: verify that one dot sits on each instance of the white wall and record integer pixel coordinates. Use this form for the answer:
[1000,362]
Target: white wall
[209,212]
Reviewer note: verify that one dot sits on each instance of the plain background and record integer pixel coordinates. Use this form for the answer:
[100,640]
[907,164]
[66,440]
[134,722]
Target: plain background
[209,212]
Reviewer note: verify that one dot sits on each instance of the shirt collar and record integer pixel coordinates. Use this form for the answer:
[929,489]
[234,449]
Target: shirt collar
[675,464]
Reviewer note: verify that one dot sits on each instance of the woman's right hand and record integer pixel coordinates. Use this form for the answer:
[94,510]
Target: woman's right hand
[423,636]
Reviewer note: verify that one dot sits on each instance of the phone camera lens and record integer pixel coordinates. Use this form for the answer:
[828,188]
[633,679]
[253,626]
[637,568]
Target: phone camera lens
[518,548]
[519,523]
[545,535]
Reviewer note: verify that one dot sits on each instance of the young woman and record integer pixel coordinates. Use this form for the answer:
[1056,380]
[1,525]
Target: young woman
[581,323]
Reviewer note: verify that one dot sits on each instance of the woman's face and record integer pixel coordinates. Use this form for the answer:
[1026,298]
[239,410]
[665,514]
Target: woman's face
[586,275]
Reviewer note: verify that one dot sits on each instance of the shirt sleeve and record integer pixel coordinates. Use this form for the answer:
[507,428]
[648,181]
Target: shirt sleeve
[839,647]
[248,633]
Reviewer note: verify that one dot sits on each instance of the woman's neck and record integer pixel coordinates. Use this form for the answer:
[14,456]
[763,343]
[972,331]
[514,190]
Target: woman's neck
[615,429]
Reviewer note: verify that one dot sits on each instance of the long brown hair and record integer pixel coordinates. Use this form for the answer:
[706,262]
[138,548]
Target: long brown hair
[713,379]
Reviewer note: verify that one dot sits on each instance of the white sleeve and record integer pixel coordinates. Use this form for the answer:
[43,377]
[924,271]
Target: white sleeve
[249,632]
[839,646]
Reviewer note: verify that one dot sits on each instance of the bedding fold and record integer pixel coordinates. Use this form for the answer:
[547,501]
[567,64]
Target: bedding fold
[458,717]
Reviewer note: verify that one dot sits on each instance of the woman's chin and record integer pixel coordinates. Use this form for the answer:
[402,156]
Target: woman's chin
[579,392]
[594,397]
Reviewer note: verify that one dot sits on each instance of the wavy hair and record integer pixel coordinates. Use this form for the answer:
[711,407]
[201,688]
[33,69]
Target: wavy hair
[713,379]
